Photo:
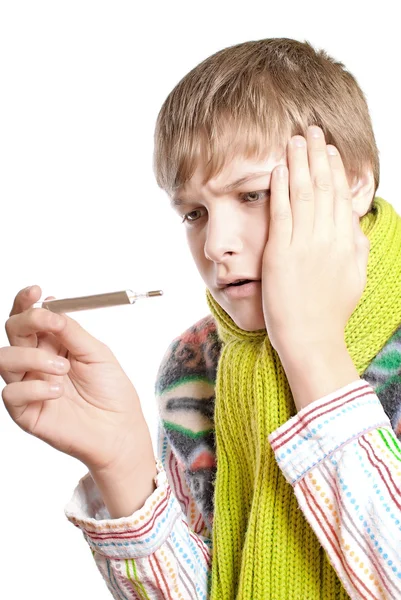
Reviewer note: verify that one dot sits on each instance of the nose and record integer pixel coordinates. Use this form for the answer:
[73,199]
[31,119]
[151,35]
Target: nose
[223,237]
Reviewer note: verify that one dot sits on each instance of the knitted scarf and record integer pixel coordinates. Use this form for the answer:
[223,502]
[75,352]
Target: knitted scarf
[263,547]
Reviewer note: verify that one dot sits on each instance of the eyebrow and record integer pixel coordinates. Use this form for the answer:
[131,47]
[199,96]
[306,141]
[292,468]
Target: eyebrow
[229,187]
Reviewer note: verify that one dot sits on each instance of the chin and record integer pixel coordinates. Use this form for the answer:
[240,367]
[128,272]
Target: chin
[248,320]
[246,314]
[250,323]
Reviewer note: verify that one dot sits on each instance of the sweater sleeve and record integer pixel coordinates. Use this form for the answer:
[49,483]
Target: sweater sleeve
[158,551]
[344,461]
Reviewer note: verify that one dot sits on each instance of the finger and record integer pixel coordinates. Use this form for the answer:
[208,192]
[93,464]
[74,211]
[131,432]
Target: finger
[19,394]
[25,298]
[20,360]
[342,196]
[67,331]
[22,327]
[81,344]
[280,226]
[49,342]
[362,246]
[323,189]
[301,189]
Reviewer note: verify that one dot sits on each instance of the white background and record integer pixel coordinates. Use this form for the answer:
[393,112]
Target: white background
[81,86]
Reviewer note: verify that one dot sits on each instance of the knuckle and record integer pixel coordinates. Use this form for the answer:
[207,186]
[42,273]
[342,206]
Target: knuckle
[305,196]
[8,326]
[40,319]
[5,394]
[33,318]
[51,319]
[281,215]
[322,184]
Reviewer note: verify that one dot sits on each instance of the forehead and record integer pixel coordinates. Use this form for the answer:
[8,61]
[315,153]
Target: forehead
[233,171]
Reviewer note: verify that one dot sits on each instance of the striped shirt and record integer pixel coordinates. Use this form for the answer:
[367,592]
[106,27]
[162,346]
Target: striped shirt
[343,459]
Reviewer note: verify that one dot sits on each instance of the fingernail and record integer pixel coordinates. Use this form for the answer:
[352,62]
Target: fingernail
[57,320]
[54,387]
[281,172]
[28,289]
[316,132]
[299,141]
[58,363]
[331,150]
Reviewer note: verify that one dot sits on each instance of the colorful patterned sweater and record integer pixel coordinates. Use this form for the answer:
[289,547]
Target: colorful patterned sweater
[340,454]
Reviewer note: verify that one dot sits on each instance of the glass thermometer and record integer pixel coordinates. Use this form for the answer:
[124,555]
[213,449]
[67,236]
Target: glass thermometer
[67,305]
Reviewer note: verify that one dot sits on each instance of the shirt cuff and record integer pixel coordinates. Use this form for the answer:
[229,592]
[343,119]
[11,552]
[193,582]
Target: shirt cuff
[320,428]
[136,536]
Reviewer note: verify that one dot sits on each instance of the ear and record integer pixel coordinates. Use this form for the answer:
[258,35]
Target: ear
[362,191]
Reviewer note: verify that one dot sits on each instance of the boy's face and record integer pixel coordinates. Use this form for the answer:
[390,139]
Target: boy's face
[227,226]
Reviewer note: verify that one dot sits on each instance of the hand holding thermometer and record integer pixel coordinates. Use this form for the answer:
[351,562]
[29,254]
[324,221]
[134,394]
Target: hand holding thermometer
[67,305]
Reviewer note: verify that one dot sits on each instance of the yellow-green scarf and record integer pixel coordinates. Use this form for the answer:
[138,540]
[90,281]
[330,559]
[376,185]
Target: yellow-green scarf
[263,548]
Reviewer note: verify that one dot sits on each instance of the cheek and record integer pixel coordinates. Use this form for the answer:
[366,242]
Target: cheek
[265,225]
[196,246]
[258,232]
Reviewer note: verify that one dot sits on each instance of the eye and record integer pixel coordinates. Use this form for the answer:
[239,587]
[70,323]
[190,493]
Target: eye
[252,197]
[192,216]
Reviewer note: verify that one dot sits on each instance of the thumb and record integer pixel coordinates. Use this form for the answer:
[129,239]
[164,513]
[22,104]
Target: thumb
[362,247]
[49,341]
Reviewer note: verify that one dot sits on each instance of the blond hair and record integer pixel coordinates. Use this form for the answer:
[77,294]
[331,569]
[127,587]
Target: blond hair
[249,99]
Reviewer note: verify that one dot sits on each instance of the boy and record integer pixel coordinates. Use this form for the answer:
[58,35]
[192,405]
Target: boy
[267,153]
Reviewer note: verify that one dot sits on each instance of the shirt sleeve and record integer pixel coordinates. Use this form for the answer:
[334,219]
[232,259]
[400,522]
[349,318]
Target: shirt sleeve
[344,461]
[154,553]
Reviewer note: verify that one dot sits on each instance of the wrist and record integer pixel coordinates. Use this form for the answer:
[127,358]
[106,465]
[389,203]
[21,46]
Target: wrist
[318,369]
[125,491]
[127,481]
[121,449]
[293,348]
